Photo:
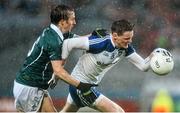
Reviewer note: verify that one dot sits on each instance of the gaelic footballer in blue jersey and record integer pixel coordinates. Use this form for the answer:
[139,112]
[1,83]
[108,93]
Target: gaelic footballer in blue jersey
[103,50]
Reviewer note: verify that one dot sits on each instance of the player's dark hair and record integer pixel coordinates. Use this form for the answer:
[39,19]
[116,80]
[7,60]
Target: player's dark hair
[60,12]
[121,26]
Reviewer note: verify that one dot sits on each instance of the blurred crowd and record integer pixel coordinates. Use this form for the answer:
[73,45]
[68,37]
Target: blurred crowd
[157,22]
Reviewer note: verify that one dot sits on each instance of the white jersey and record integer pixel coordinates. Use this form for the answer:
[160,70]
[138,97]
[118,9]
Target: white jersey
[100,56]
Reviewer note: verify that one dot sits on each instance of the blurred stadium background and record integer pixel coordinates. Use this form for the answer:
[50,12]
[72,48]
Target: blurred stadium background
[157,24]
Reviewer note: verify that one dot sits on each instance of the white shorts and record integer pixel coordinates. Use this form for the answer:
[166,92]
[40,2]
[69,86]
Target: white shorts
[27,98]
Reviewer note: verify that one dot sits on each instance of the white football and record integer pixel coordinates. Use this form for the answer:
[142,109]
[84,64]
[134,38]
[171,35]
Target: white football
[162,62]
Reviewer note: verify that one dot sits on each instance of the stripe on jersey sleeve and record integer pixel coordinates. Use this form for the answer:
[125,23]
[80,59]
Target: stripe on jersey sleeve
[97,45]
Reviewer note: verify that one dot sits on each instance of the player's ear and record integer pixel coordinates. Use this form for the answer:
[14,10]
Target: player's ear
[61,23]
[114,36]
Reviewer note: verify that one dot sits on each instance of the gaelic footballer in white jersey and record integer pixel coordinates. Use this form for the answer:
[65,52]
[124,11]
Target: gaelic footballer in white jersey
[103,50]
[101,55]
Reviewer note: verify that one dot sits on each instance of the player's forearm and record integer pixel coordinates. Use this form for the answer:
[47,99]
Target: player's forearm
[146,64]
[138,61]
[62,73]
[66,77]
[143,66]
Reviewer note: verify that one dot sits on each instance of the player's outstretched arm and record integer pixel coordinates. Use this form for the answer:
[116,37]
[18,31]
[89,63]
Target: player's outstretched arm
[138,61]
[69,44]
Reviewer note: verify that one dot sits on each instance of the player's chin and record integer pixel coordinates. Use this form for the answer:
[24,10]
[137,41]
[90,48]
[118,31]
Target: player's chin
[125,46]
[70,29]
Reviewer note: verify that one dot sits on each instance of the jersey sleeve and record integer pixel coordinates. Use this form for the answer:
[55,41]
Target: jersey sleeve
[54,49]
[138,61]
[80,43]
[97,44]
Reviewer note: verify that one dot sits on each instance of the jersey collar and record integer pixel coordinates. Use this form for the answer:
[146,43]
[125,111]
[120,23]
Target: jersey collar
[57,30]
[112,41]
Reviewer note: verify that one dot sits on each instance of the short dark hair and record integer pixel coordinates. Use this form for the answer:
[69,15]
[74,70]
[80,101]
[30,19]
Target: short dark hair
[121,26]
[60,12]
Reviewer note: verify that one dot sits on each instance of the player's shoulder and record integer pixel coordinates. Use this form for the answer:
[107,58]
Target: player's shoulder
[50,38]
[99,41]
[100,33]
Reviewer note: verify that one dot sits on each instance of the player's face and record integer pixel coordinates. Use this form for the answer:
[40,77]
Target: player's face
[69,24]
[123,40]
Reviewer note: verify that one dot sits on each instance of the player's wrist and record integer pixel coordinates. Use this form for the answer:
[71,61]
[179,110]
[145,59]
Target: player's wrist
[85,86]
[81,86]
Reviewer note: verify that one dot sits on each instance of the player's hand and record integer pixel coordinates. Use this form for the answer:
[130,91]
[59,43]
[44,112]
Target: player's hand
[84,87]
[53,82]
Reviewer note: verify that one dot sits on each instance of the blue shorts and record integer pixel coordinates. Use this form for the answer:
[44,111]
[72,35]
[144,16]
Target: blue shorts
[83,99]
